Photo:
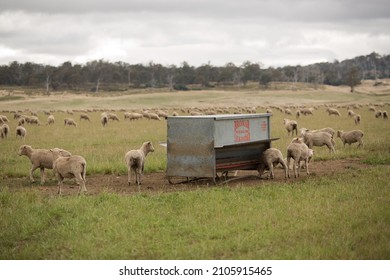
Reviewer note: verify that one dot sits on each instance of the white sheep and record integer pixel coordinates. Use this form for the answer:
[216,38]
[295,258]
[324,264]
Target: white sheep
[333,111]
[50,119]
[319,139]
[330,130]
[298,152]
[84,116]
[291,126]
[68,121]
[270,158]
[112,116]
[378,114]
[21,132]
[135,161]
[73,166]
[104,119]
[40,158]
[4,129]
[349,137]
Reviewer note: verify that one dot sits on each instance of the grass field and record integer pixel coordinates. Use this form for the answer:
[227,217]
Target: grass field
[337,216]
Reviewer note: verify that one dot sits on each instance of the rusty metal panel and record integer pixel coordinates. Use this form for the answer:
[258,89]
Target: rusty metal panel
[190,147]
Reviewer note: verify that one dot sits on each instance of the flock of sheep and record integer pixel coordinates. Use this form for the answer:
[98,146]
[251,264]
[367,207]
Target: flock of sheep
[66,165]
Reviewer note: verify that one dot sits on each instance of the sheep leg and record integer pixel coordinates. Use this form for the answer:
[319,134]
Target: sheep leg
[129,175]
[42,175]
[307,166]
[271,169]
[261,169]
[281,161]
[60,182]
[81,182]
[288,167]
[31,173]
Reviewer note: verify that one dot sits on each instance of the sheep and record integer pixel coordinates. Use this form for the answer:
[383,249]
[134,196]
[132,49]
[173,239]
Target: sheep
[330,130]
[21,131]
[3,119]
[104,119]
[40,158]
[385,115]
[73,166]
[68,121]
[32,120]
[378,114]
[319,139]
[4,129]
[333,111]
[84,116]
[154,116]
[291,126]
[351,113]
[21,121]
[350,137]
[298,152]
[357,118]
[50,120]
[270,158]
[306,111]
[135,161]
[112,116]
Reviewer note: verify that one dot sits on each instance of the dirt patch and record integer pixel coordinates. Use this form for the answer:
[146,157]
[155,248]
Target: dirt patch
[158,182]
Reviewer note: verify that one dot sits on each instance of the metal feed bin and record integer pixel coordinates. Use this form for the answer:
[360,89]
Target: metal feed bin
[201,146]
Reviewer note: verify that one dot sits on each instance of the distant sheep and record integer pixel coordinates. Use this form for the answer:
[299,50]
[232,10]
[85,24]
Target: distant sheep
[40,158]
[270,158]
[21,132]
[385,115]
[68,121]
[357,118]
[291,126]
[4,129]
[298,152]
[378,114]
[349,137]
[50,120]
[330,130]
[84,116]
[72,166]
[135,161]
[112,116]
[104,119]
[306,111]
[333,111]
[32,120]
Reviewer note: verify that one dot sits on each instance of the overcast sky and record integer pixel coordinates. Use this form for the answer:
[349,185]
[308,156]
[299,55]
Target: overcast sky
[271,32]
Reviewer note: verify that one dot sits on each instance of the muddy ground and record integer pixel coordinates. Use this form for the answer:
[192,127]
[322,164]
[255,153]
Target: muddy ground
[158,182]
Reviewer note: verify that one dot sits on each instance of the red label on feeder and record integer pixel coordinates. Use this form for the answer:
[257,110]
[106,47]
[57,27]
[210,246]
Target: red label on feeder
[241,131]
[264,126]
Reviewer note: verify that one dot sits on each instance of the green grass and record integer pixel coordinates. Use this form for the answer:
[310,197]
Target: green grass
[343,216]
[340,216]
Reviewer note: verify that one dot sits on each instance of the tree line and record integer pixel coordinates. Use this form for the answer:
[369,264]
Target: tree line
[103,75]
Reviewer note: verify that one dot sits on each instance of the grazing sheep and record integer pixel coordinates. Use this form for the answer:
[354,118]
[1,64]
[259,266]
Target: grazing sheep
[378,114]
[4,129]
[298,152]
[306,111]
[135,161]
[112,116]
[40,158]
[291,126]
[385,115]
[32,120]
[319,139]
[333,111]
[21,131]
[351,113]
[270,158]
[350,137]
[104,119]
[3,119]
[357,118]
[84,116]
[330,130]
[72,166]
[50,120]
[68,121]
[154,116]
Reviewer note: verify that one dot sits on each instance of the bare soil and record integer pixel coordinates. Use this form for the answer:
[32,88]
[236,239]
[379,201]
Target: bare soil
[158,182]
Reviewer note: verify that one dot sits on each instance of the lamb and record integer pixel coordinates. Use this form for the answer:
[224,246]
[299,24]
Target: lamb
[135,161]
[270,158]
[4,129]
[319,139]
[291,126]
[298,152]
[357,118]
[350,137]
[40,158]
[68,121]
[21,131]
[333,111]
[84,116]
[72,166]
